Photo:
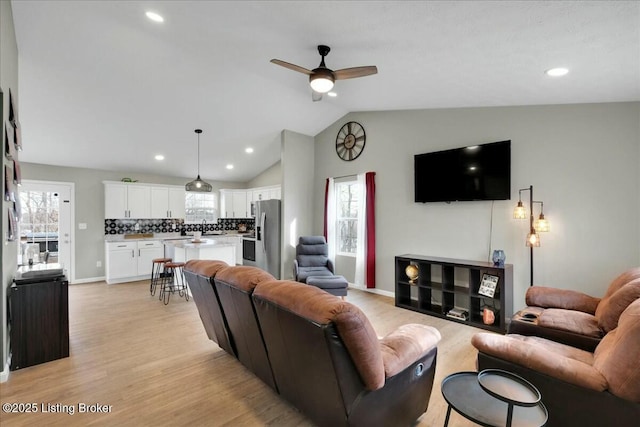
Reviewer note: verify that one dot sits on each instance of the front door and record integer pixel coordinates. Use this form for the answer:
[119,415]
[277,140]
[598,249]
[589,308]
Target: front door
[45,223]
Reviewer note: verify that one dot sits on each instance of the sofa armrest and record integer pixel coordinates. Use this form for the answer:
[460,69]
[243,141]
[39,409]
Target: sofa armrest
[538,358]
[405,345]
[330,266]
[541,296]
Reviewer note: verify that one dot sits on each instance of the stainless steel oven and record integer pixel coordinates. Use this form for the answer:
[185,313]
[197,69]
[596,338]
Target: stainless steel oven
[249,251]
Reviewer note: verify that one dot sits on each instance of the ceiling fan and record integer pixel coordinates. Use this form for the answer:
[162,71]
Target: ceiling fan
[322,78]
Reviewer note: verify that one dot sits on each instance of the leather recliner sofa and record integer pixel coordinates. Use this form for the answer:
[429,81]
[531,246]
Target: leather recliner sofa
[578,387]
[572,317]
[322,353]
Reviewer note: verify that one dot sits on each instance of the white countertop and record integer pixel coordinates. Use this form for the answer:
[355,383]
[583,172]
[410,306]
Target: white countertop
[190,244]
[167,236]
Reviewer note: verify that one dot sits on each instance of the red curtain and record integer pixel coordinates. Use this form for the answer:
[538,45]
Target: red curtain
[371,229]
[326,197]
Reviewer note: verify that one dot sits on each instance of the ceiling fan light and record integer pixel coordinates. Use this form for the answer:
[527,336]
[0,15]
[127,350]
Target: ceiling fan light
[321,80]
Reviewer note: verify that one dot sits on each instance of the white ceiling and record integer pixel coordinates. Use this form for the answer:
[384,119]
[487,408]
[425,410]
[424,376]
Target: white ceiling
[102,86]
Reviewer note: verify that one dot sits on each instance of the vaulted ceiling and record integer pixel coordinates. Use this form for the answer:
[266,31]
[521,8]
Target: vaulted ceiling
[102,86]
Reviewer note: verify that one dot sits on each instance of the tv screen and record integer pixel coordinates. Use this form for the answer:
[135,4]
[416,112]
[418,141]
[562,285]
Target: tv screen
[477,172]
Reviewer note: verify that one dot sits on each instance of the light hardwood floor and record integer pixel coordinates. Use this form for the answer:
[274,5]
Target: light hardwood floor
[154,365]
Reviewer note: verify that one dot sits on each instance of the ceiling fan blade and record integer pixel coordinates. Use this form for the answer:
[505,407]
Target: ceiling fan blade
[316,96]
[350,73]
[291,66]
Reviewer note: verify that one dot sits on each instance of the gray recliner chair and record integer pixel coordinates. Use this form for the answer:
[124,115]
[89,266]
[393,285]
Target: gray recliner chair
[312,258]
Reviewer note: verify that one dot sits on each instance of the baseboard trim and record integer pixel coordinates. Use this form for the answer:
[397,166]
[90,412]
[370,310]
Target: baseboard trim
[373,290]
[4,375]
[88,280]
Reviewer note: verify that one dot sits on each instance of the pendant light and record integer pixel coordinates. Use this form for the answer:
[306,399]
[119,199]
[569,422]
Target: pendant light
[198,184]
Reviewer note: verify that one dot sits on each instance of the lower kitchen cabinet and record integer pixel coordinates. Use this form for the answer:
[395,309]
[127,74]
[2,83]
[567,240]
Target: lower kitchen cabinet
[129,261]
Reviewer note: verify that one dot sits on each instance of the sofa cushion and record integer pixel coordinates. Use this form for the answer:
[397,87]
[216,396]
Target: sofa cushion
[616,357]
[541,296]
[571,321]
[312,260]
[354,328]
[243,277]
[306,272]
[611,307]
[623,279]
[203,267]
[569,364]
[311,240]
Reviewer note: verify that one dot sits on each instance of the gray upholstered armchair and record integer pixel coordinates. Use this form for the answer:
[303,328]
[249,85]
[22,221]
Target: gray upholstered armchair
[312,258]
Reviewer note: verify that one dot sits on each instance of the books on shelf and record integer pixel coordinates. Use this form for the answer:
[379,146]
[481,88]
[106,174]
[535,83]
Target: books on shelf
[458,313]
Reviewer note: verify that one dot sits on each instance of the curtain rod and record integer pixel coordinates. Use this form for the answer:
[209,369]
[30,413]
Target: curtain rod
[349,176]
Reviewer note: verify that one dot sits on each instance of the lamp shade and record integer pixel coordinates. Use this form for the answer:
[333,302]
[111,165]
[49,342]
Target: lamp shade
[533,239]
[541,225]
[198,185]
[520,212]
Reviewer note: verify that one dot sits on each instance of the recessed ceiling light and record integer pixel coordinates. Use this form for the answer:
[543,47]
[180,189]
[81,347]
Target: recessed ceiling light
[473,147]
[159,157]
[557,72]
[248,150]
[332,94]
[154,17]
[229,166]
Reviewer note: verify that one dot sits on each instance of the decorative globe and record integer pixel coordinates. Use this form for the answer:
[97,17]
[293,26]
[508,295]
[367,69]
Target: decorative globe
[412,273]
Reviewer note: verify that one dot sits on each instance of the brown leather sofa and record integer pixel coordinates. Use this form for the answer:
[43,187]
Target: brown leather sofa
[578,387]
[319,352]
[572,317]
[199,275]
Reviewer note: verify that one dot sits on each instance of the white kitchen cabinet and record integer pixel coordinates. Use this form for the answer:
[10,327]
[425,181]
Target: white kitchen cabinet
[148,250]
[275,193]
[260,194]
[130,261]
[167,202]
[121,261]
[124,200]
[233,204]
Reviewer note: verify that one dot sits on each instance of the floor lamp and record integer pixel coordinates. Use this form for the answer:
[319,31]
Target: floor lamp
[535,228]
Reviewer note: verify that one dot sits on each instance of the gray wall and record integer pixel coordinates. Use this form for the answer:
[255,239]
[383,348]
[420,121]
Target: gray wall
[8,80]
[581,159]
[297,194]
[89,209]
[271,176]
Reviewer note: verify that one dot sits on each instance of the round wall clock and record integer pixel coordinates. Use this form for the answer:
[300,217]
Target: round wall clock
[350,141]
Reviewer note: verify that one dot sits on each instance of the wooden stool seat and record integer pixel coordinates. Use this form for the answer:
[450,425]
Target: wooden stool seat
[161,260]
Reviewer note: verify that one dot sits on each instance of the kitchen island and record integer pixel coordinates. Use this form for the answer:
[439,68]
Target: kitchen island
[211,249]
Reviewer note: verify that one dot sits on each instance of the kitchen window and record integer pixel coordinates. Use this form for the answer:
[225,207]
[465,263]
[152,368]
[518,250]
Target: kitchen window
[201,206]
[347,193]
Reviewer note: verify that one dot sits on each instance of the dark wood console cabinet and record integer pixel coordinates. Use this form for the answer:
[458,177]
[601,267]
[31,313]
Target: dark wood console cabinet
[39,322]
[444,284]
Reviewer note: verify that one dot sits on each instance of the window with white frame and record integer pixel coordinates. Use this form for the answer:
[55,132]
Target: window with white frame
[201,206]
[346,194]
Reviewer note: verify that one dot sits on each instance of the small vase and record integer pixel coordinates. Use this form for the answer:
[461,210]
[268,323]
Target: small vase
[498,258]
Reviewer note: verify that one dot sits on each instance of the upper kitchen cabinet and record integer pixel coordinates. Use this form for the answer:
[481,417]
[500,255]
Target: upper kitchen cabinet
[233,204]
[167,202]
[123,200]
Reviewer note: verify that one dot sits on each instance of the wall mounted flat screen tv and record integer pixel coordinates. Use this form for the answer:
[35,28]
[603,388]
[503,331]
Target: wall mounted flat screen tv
[477,172]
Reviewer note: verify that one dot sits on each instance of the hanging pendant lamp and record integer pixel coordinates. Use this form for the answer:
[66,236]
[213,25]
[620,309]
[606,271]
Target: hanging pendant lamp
[198,184]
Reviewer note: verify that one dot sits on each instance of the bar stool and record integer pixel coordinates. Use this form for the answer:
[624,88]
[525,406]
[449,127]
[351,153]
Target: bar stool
[173,280]
[157,271]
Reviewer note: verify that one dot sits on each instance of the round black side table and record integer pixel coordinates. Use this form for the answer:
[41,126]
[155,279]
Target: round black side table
[494,398]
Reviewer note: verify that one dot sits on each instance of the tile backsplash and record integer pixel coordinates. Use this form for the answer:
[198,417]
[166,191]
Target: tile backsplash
[128,226]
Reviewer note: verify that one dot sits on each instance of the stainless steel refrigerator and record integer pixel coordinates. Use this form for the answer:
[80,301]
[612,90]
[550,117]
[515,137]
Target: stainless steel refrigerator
[268,237]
